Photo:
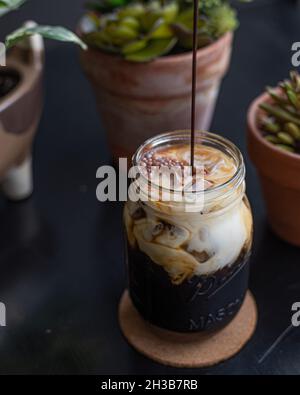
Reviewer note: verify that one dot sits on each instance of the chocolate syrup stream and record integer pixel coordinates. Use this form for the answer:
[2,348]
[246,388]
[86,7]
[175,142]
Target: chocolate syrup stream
[194,81]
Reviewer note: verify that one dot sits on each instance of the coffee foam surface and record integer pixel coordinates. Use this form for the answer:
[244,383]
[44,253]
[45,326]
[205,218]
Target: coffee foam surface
[212,166]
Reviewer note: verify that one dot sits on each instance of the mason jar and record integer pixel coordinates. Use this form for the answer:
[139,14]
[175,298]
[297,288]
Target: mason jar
[188,259]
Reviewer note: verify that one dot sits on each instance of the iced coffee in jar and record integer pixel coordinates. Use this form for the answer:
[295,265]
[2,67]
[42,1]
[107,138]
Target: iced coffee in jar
[188,236]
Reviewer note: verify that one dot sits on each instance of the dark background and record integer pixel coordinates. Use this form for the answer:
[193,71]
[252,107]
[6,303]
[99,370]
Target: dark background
[61,252]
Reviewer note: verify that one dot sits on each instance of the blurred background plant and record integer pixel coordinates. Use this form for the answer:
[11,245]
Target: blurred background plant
[143,31]
[52,32]
[281,115]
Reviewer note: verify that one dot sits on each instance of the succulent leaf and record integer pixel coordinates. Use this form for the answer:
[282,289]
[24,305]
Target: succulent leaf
[285,147]
[134,10]
[154,49]
[293,130]
[149,19]
[221,20]
[160,30]
[134,46]
[123,33]
[161,19]
[170,12]
[272,139]
[100,40]
[282,124]
[131,22]
[105,5]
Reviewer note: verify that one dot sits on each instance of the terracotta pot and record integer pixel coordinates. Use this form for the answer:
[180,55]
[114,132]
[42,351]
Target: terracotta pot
[137,101]
[20,112]
[279,174]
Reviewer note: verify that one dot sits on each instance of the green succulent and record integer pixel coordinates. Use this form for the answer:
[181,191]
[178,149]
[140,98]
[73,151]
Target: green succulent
[221,20]
[143,31]
[105,5]
[280,122]
[53,32]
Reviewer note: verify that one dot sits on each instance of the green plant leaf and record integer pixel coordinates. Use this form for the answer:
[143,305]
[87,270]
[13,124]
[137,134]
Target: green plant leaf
[185,36]
[134,10]
[154,49]
[134,46]
[100,40]
[149,19]
[221,20]
[52,32]
[105,5]
[185,18]
[123,33]
[170,12]
[131,22]
[10,5]
[160,30]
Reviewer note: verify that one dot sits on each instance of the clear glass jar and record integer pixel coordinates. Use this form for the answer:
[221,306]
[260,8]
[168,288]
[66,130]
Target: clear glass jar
[188,269]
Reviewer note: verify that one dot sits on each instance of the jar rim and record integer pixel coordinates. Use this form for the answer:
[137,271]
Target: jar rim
[202,137]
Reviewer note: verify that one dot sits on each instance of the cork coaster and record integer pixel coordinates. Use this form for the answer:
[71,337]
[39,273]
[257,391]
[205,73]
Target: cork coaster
[187,350]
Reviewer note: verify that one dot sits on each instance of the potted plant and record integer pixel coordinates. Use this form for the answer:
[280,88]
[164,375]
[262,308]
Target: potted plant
[139,62]
[21,99]
[274,147]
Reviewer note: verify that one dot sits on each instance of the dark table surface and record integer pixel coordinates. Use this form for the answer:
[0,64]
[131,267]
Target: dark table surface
[61,252]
